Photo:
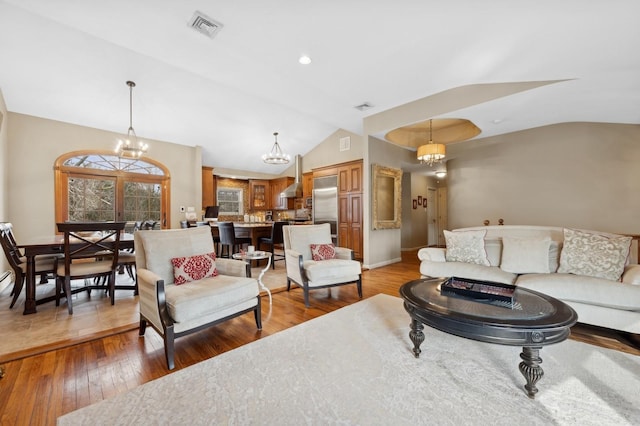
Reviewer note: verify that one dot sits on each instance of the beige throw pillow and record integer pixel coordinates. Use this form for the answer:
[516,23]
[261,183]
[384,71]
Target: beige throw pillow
[594,255]
[525,255]
[466,246]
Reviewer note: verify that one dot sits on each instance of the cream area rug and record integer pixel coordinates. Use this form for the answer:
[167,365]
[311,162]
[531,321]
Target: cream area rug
[355,366]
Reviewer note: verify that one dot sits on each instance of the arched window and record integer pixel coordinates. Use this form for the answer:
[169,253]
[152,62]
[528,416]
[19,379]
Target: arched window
[99,186]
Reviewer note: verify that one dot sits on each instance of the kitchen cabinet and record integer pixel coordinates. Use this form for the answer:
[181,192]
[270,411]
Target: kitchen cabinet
[260,195]
[208,187]
[277,186]
[350,222]
[349,203]
[350,177]
[307,185]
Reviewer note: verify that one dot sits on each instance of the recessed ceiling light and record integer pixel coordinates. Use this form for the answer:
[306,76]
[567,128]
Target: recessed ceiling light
[304,60]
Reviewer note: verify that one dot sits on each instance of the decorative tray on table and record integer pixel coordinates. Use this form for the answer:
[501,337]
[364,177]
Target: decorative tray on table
[486,290]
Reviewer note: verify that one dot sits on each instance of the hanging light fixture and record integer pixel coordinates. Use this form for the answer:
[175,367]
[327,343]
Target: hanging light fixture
[131,146]
[276,156]
[431,153]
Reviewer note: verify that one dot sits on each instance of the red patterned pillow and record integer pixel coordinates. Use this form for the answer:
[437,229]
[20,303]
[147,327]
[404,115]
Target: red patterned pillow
[187,269]
[323,251]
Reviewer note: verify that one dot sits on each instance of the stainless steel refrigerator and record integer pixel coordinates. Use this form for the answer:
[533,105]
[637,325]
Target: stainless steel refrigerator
[325,203]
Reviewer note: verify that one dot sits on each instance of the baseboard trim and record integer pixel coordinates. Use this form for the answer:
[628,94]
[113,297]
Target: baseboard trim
[381,264]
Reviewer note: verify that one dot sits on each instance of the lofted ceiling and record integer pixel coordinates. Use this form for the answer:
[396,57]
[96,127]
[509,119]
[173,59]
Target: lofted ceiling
[68,60]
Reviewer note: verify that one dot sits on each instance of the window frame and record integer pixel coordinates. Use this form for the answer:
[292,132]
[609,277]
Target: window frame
[63,172]
[239,199]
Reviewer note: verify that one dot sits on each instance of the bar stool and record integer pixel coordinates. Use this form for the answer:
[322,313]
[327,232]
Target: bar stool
[229,240]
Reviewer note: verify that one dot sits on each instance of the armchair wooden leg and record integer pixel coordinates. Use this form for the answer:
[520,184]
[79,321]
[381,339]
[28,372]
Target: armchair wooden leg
[169,350]
[360,286]
[143,327]
[288,284]
[257,312]
[305,290]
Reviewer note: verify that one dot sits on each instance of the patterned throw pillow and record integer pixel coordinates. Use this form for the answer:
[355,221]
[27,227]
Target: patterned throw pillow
[593,255]
[323,251]
[466,246]
[187,269]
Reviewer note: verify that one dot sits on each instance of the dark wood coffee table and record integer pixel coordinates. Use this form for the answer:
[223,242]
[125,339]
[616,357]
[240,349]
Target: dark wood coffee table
[532,321]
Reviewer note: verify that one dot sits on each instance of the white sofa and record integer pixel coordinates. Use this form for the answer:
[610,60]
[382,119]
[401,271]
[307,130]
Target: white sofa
[514,255]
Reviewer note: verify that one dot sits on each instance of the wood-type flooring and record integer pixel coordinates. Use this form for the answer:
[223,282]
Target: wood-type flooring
[35,390]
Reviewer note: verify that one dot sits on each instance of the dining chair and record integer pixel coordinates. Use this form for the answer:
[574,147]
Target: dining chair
[44,265]
[228,239]
[91,250]
[275,239]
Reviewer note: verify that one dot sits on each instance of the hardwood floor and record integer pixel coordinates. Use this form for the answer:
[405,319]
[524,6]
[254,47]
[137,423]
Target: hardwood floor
[36,390]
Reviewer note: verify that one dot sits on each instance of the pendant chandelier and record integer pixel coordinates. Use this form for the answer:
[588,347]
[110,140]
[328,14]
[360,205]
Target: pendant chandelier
[276,156]
[131,146]
[431,153]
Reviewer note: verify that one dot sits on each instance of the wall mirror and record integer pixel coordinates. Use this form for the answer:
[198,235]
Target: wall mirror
[387,192]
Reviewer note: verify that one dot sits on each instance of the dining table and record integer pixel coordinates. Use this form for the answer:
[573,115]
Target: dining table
[49,245]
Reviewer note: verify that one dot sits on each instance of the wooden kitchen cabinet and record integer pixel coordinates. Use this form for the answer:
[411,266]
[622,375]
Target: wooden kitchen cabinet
[260,195]
[350,222]
[307,185]
[350,177]
[277,186]
[208,187]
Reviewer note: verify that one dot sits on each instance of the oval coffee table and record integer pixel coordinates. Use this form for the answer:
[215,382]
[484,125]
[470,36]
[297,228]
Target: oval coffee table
[532,321]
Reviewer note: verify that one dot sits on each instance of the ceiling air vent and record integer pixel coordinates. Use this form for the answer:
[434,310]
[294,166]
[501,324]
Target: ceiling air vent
[205,25]
[363,107]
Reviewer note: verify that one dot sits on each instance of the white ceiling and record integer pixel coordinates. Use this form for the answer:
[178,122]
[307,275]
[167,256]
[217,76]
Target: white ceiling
[68,60]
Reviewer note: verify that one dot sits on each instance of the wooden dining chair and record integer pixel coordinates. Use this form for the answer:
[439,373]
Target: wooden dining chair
[91,250]
[44,265]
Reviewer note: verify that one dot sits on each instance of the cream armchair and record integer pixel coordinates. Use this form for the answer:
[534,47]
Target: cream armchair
[310,274]
[176,310]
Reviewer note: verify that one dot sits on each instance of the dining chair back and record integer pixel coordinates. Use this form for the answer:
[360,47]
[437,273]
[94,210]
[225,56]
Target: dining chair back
[228,239]
[90,251]
[275,239]
[44,265]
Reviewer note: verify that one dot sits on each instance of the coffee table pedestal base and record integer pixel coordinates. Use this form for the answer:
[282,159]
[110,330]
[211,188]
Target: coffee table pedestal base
[417,336]
[530,369]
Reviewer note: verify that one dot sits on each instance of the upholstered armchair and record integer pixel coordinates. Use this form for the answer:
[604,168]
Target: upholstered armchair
[333,266]
[183,288]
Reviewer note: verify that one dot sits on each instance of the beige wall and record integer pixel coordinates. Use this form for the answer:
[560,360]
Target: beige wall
[4,173]
[35,143]
[382,246]
[328,152]
[583,175]
[414,232]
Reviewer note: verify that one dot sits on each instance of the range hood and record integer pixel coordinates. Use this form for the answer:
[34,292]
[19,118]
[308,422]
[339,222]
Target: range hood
[295,189]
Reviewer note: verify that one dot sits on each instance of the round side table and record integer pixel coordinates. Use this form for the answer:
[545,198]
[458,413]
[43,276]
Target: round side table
[257,255]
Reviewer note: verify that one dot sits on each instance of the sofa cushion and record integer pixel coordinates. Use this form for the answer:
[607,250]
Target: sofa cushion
[594,255]
[466,270]
[331,271]
[192,268]
[583,289]
[525,255]
[207,296]
[322,251]
[466,246]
